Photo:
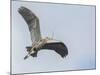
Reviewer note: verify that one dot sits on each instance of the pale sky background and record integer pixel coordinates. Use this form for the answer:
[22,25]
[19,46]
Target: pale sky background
[72,24]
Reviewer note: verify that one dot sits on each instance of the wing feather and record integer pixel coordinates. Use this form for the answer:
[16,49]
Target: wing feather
[58,47]
[33,23]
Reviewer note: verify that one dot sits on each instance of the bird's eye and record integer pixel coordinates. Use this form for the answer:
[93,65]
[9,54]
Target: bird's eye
[34,49]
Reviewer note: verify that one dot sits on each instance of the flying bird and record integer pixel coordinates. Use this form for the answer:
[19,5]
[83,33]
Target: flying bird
[39,43]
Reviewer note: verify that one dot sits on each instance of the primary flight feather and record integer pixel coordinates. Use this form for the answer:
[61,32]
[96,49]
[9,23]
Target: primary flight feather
[38,43]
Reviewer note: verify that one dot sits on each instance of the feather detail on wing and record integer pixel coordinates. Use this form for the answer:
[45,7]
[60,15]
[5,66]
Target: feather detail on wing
[58,47]
[33,23]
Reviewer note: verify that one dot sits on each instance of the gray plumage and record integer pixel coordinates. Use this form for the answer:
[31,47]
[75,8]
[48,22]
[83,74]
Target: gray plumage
[34,28]
[32,22]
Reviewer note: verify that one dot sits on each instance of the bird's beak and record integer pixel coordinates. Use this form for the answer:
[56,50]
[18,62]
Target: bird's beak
[26,57]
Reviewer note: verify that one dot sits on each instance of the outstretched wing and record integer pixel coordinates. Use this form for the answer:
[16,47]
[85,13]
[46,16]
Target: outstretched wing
[33,23]
[58,47]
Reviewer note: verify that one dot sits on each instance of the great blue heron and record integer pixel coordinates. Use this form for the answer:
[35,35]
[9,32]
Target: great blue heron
[38,43]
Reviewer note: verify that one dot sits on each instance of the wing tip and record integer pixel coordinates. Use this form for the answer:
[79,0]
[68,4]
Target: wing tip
[65,52]
[21,9]
[27,14]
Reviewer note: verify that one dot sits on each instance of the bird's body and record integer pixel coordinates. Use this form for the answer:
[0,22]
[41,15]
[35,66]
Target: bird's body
[39,43]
